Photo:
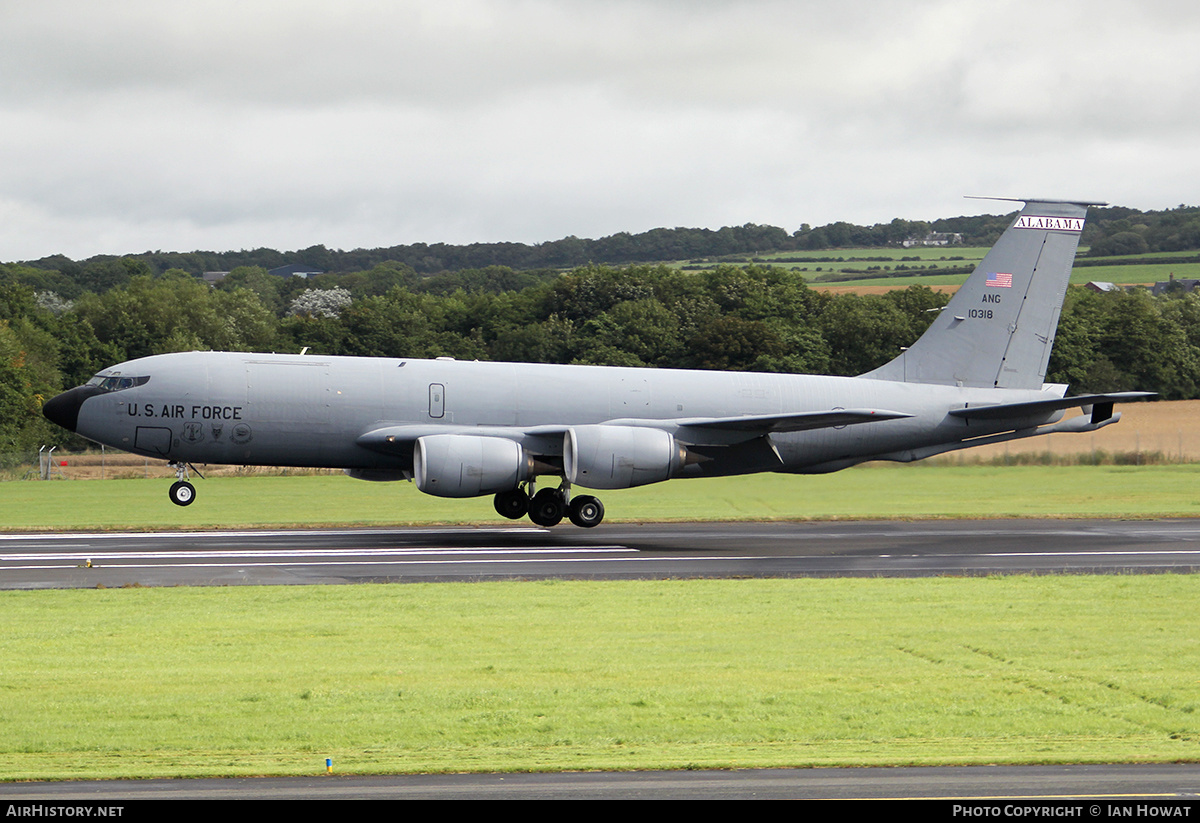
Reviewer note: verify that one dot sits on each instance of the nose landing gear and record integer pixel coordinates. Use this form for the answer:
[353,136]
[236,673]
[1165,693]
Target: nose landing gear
[182,493]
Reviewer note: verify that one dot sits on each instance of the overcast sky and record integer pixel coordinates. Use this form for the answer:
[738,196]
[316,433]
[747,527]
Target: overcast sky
[128,126]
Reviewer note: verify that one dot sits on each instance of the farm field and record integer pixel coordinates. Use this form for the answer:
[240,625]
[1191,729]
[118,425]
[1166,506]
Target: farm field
[828,270]
[1164,431]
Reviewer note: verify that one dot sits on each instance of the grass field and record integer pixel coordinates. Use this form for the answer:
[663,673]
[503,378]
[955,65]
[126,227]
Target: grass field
[886,491]
[587,675]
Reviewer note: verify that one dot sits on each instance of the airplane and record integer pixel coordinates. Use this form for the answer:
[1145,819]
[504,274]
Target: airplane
[466,429]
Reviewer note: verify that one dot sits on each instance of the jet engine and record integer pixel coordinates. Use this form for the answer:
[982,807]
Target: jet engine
[620,457]
[460,465]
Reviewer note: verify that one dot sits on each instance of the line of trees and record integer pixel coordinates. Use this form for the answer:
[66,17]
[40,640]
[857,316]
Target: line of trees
[729,317]
[1115,230]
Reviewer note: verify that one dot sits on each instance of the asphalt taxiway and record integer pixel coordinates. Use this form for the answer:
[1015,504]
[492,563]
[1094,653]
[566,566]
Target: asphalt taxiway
[616,551]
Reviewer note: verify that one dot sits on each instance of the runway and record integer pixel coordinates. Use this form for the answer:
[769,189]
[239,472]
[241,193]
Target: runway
[617,551]
[1111,790]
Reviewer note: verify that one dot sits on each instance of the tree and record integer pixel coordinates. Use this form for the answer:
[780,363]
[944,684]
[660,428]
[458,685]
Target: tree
[1124,242]
[321,302]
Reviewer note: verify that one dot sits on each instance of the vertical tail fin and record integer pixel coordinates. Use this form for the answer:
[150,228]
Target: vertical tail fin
[997,330]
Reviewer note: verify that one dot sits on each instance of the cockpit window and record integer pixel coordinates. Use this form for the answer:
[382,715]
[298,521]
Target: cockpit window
[117,382]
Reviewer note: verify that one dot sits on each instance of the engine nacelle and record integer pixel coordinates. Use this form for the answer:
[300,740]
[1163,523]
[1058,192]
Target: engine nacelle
[620,457]
[461,465]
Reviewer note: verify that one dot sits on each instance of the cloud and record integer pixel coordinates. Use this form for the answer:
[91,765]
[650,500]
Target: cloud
[136,125]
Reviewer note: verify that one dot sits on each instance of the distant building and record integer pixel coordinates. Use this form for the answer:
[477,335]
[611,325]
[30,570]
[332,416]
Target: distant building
[295,270]
[1182,284]
[1101,286]
[934,238]
[212,278]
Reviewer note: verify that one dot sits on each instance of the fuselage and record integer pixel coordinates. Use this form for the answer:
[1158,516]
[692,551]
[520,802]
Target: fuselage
[310,411]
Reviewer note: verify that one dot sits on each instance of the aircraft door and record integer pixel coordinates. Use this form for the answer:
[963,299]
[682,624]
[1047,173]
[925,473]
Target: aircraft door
[437,400]
[155,439]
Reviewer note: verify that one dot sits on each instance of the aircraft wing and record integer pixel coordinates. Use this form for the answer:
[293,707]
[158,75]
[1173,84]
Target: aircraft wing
[757,425]
[714,431]
[1101,405]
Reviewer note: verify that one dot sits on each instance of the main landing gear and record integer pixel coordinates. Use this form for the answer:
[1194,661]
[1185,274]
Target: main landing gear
[549,506]
[182,493]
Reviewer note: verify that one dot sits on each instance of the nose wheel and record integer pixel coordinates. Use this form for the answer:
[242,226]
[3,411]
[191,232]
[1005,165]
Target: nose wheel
[182,493]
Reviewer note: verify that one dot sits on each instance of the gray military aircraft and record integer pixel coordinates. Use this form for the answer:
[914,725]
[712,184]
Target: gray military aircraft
[466,429]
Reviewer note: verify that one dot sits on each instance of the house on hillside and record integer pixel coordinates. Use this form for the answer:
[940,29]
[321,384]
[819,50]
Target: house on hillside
[294,270]
[1183,284]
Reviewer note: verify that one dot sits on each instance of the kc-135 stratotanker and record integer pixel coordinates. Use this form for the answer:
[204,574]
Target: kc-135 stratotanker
[466,429]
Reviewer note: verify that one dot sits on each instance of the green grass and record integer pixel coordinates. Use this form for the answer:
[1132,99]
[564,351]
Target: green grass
[589,675]
[883,491]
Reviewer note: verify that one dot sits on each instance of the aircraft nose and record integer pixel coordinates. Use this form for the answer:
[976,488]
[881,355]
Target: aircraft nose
[63,410]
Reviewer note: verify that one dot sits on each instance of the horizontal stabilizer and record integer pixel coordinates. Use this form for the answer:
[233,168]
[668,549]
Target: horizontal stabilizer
[1001,411]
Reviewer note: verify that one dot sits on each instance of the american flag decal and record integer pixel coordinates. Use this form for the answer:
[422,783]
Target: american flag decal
[999,281]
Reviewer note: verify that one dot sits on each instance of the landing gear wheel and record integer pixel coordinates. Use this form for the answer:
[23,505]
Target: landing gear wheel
[547,508]
[182,493]
[586,511]
[512,504]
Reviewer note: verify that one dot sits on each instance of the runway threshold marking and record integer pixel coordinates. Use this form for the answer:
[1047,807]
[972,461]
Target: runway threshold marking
[268,564]
[407,551]
[299,557]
